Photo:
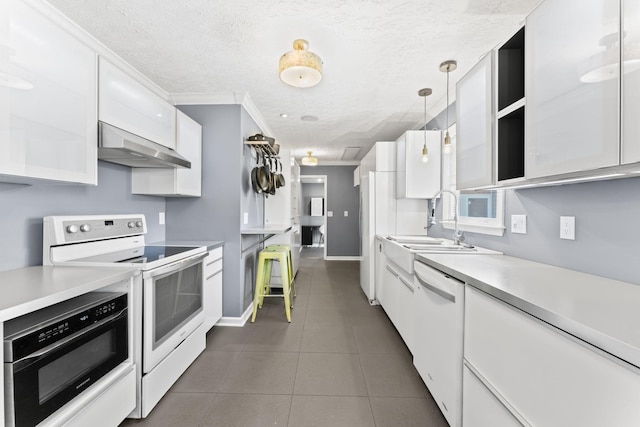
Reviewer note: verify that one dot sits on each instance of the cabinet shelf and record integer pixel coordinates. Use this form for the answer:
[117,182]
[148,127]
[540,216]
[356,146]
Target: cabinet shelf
[511,145]
[511,70]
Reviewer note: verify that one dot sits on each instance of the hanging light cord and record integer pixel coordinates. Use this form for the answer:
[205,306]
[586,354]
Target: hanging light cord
[425,121]
[447,100]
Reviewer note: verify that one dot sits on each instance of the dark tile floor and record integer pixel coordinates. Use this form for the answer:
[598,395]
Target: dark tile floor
[340,362]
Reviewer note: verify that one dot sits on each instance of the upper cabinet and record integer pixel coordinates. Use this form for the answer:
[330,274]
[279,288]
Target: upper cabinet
[128,105]
[572,100]
[631,82]
[48,100]
[175,181]
[474,127]
[416,179]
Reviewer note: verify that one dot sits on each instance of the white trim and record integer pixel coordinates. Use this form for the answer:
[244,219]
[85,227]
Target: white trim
[490,230]
[343,258]
[225,98]
[237,322]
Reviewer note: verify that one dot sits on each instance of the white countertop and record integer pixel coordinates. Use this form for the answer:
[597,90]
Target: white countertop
[209,244]
[601,311]
[267,229]
[29,289]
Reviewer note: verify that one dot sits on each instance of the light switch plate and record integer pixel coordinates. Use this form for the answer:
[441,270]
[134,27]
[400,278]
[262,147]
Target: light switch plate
[330,213]
[519,224]
[245,218]
[161,218]
[346,213]
[568,227]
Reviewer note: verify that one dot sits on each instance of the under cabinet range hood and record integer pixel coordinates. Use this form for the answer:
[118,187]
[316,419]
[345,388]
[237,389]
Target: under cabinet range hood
[119,146]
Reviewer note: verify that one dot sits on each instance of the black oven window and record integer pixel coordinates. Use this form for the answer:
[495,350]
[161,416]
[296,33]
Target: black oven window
[57,375]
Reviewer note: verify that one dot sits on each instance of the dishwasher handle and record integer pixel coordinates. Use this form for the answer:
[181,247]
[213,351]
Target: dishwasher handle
[444,294]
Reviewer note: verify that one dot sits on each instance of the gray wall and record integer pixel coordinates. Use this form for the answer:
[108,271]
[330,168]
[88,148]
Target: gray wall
[226,195]
[23,207]
[607,227]
[343,233]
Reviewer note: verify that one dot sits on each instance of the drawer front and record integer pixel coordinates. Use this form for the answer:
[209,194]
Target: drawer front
[481,408]
[212,268]
[549,377]
[215,253]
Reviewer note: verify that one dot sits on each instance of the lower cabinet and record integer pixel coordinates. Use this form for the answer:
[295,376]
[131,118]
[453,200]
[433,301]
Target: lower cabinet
[212,292]
[544,376]
[397,301]
[481,407]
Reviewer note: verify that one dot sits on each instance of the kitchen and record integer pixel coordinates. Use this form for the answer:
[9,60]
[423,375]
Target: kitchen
[600,250]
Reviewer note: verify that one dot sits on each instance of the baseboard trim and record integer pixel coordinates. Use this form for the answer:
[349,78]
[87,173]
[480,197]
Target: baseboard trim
[343,258]
[236,322]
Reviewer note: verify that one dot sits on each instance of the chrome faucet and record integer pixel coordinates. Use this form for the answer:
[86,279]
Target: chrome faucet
[458,236]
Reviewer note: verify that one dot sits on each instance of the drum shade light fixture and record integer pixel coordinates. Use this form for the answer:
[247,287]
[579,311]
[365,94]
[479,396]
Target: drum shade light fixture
[447,67]
[309,160]
[300,68]
[424,93]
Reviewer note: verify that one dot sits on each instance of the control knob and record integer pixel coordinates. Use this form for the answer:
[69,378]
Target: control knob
[72,228]
[138,223]
[131,224]
[85,227]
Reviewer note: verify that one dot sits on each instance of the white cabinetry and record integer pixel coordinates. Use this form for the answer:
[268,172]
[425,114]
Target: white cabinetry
[546,376]
[48,127]
[437,356]
[380,276]
[481,407]
[416,179]
[127,104]
[474,127]
[212,292]
[572,117]
[175,181]
[398,301]
[631,82]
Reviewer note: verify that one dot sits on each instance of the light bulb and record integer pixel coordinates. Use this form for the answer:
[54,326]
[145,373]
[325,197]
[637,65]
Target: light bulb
[447,144]
[425,154]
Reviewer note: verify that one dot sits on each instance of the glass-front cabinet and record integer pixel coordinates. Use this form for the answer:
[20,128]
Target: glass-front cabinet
[572,87]
[631,82]
[48,126]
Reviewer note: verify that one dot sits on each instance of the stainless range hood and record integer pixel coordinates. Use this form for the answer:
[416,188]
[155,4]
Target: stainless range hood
[118,146]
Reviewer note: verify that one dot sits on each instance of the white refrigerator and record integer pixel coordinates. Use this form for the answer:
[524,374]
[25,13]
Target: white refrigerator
[377,216]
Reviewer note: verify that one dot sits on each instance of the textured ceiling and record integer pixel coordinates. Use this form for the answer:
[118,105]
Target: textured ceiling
[377,55]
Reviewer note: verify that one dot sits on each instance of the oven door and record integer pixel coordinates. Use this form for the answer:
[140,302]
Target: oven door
[173,307]
[39,384]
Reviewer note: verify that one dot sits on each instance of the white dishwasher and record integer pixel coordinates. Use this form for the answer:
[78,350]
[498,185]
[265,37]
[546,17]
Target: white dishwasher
[439,301]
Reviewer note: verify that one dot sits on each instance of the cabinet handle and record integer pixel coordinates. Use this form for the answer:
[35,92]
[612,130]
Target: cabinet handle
[407,284]
[443,294]
[392,272]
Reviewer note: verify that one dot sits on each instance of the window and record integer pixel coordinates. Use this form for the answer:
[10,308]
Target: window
[481,211]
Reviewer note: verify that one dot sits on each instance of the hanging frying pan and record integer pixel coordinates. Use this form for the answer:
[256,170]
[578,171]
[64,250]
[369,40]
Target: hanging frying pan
[254,174]
[263,174]
[280,176]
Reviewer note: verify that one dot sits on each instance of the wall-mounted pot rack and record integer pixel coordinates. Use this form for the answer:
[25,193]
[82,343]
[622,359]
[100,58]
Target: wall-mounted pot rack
[265,147]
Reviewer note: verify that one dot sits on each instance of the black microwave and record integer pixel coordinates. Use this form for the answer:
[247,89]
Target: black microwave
[52,355]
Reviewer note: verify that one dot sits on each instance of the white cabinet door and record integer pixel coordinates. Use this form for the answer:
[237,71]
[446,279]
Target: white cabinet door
[128,105]
[481,408]
[571,116]
[390,293]
[549,377]
[48,127]
[212,292]
[474,126]
[631,82]
[406,313]
[380,275]
[415,178]
[175,181]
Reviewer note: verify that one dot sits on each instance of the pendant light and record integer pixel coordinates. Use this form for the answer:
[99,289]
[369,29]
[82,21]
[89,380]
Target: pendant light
[309,160]
[300,68]
[424,93]
[447,67]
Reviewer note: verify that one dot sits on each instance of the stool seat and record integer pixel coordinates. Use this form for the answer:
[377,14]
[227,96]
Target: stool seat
[282,254]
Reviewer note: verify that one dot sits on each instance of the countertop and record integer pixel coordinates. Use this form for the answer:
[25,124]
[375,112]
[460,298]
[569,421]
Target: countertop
[29,289]
[267,229]
[210,244]
[600,311]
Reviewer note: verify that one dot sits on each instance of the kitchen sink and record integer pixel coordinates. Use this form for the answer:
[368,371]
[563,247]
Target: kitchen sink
[440,248]
[421,240]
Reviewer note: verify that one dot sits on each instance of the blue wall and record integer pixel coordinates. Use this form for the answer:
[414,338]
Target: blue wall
[23,207]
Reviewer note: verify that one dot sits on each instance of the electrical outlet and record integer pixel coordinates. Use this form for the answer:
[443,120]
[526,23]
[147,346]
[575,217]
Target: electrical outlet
[568,227]
[329,213]
[346,213]
[519,224]
[161,218]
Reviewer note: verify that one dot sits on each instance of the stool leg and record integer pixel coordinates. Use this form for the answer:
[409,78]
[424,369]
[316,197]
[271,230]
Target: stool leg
[259,288]
[291,278]
[268,266]
[286,289]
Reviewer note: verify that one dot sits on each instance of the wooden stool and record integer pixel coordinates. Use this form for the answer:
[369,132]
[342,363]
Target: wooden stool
[263,279]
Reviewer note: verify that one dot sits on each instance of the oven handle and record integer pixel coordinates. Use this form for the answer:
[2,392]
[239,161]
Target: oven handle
[176,266]
[34,357]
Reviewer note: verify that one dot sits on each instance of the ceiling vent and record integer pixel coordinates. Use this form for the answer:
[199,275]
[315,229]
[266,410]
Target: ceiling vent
[350,153]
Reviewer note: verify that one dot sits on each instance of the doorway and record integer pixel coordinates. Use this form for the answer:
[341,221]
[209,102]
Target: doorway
[313,218]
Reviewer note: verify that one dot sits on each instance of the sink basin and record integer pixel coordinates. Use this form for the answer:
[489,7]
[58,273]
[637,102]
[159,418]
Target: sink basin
[440,248]
[422,240]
